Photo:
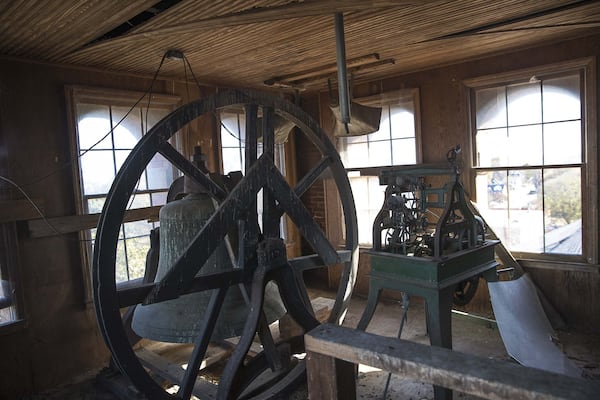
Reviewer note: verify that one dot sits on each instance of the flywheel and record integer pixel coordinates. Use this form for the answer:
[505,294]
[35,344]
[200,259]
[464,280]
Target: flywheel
[279,367]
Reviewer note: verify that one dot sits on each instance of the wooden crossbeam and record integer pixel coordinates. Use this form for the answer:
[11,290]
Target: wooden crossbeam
[19,210]
[75,223]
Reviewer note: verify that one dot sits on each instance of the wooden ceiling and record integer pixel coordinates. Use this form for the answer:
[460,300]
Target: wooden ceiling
[245,43]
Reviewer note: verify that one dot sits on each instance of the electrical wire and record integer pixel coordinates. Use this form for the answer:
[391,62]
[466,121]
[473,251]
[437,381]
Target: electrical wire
[186,61]
[21,187]
[30,200]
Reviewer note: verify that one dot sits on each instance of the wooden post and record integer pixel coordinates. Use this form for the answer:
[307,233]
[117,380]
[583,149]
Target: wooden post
[330,378]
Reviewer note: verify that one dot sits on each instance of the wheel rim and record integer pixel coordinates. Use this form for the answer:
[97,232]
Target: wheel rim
[106,297]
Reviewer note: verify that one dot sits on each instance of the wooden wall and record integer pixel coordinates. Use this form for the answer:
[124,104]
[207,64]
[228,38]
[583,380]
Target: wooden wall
[445,123]
[59,338]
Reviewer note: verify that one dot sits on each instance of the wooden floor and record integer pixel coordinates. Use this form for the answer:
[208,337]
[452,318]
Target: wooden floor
[469,336]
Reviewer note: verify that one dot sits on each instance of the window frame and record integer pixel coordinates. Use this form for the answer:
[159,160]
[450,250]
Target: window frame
[386,99]
[114,98]
[10,260]
[586,67]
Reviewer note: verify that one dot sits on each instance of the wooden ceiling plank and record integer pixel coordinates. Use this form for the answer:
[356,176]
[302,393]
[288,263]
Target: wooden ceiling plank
[262,15]
[517,19]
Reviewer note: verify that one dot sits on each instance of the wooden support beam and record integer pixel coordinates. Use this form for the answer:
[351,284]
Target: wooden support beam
[74,223]
[320,71]
[19,210]
[478,376]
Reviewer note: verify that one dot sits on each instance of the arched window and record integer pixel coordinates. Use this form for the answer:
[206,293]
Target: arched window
[531,161]
[105,128]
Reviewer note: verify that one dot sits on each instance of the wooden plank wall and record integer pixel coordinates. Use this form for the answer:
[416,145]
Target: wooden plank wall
[59,339]
[445,123]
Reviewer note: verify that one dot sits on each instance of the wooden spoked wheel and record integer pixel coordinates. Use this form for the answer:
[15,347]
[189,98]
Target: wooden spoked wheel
[265,258]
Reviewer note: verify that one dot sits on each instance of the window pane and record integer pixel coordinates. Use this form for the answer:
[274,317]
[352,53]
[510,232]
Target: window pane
[8,311]
[526,231]
[380,154]
[562,143]
[403,121]
[121,263]
[93,124]
[159,172]
[525,145]
[491,108]
[492,147]
[137,228]
[492,191]
[137,249]
[368,197]
[139,201]
[404,151]
[129,130]
[524,104]
[384,128]
[158,199]
[232,160]
[562,199]
[526,216]
[152,116]
[97,169]
[355,155]
[94,206]
[120,157]
[525,189]
[232,129]
[380,149]
[359,188]
[561,99]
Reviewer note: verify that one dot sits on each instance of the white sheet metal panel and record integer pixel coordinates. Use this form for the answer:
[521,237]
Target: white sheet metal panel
[525,329]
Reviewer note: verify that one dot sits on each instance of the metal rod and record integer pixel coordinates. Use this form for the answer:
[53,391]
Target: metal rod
[340,47]
[405,303]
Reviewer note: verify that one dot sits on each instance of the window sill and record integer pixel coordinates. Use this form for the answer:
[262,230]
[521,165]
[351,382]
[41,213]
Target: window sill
[559,266]
[13,327]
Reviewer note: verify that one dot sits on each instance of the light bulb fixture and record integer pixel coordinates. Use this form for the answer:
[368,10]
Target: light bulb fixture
[174,55]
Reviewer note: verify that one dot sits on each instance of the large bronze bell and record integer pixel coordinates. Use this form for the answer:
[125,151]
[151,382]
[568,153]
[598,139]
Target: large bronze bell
[178,320]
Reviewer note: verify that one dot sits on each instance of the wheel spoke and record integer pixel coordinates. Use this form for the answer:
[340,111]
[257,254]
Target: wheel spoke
[209,321]
[230,378]
[192,171]
[132,294]
[252,232]
[266,339]
[293,299]
[309,179]
[179,277]
[251,135]
[270,215]
[297,211]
